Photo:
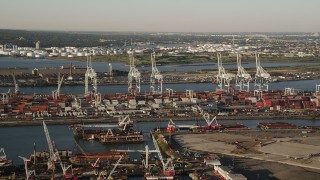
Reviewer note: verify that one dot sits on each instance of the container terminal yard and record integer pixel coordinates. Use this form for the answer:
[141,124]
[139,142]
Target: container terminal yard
[236,101]
[178,150]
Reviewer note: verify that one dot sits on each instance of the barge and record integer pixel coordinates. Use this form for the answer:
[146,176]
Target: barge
[119,136]
[88,158]
[276,125]
[120,133]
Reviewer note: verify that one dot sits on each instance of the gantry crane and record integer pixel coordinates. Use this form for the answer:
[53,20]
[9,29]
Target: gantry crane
[56,93]
[156,78]
[289,91]
[29,173]
[262,77]
[16,86]
[133,77]
[189,93]
[223,78]
[147,151]
[90,73]
[242,78]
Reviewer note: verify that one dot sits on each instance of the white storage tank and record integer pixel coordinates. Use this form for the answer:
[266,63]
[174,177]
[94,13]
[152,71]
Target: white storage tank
[37,56]
[80,54]
[30,54]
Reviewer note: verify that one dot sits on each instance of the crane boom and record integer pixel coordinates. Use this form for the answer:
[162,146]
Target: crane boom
[168,168]
[59,83]
[54,153]
[28,172]
[209,121]
[50,146]
[125,122]
[115,166]
[157,149]
[16,86]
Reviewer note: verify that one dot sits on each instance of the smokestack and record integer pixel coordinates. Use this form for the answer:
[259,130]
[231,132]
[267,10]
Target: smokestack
[71,69]
[70,72]
[34,153]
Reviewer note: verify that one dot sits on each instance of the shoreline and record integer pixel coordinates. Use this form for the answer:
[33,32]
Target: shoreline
[83,59]
[13,123]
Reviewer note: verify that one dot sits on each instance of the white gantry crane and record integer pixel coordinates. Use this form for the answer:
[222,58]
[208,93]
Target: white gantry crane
[223,78]
[156,78]
[54,156]
[242,78]
[147,151]
[317,88]
[133,77]
[56,93]
[261,78]
[16,86]
[289,91]
[29,173]
[90,73]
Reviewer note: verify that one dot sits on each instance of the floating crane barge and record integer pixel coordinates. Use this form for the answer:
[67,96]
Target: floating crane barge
[121,133]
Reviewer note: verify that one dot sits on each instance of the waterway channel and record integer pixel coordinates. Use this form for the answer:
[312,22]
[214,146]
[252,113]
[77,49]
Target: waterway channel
[12,62]
[303,85]
[18,141]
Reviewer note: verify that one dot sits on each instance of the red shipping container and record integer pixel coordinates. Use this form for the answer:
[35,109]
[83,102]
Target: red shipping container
[260,104]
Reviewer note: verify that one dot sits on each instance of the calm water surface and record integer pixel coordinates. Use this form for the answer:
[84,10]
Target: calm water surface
[18,141]
[11,62]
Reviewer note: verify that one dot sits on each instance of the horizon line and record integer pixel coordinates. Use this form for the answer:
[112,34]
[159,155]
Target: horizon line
[97,31]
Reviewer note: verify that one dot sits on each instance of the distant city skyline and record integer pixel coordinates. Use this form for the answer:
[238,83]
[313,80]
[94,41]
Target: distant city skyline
[162,15]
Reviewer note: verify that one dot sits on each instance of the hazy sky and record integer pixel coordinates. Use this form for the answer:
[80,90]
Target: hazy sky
[162,15]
